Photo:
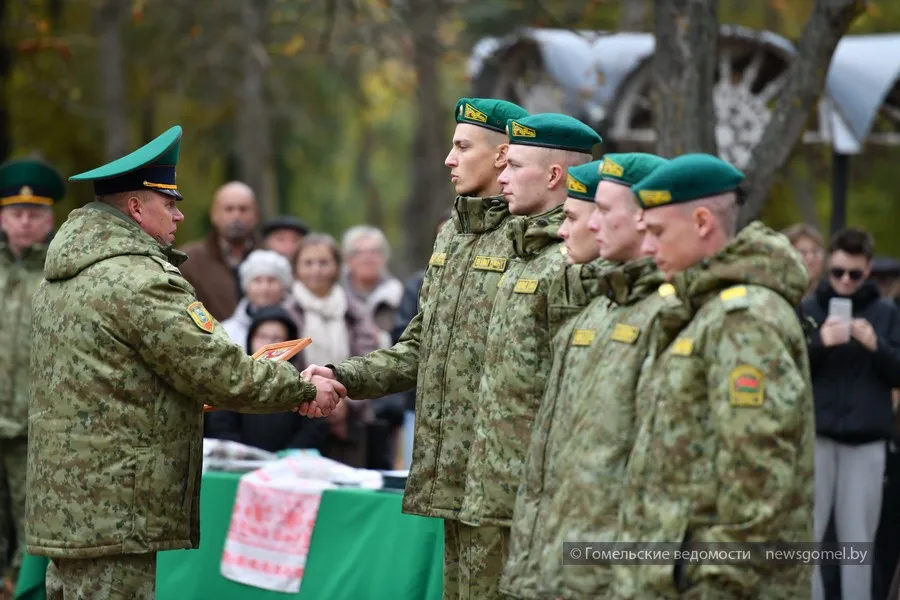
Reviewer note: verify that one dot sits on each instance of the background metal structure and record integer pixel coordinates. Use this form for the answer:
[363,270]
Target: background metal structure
[605,79]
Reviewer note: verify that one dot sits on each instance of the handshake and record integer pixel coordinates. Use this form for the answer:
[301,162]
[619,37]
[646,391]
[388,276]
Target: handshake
[329,392]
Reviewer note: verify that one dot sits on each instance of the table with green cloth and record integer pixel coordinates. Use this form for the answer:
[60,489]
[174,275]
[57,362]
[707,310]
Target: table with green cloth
[362,547]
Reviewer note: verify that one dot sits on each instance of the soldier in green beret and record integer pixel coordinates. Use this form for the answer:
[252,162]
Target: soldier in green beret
[28,190]
[127,357]
[725,450]
[542,148]
[442,350]
[587,418]
[578,241]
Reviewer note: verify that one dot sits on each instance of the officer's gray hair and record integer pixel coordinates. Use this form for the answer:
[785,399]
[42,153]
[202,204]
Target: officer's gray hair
[354,234]
[120,199]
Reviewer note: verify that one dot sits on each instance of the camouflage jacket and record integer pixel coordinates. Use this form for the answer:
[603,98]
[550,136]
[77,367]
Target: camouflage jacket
[724,452]
[516,364]
[126,358]
[19,278]
[591,438]
[586,300]
[441,353]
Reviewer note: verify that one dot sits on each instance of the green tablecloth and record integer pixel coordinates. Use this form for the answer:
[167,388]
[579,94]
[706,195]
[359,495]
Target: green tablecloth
[362,548]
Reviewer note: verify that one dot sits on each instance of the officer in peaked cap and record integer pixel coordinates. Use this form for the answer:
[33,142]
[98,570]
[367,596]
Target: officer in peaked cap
[28,190]
[127,357]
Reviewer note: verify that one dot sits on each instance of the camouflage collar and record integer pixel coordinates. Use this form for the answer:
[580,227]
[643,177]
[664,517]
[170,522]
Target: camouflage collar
[174,257]
[530,235]
[632,282]
[31,257]
[479,215]
[756,255]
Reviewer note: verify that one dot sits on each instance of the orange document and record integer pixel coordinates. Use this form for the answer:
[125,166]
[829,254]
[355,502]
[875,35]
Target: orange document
[280,351]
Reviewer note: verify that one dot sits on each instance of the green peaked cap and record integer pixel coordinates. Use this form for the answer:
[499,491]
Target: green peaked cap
[686,178]
[582,181]
[553,130]
[30,181]
[487,112]
[628,168]
[150,167]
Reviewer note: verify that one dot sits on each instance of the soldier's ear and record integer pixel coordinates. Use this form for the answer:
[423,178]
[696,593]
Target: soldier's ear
[704,221]
[500,159]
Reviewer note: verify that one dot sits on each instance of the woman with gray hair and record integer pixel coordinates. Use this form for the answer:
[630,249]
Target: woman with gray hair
[340,327]
[265,278]
[366,278]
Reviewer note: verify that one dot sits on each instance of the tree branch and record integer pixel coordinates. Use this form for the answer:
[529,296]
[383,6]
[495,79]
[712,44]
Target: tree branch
[805,80]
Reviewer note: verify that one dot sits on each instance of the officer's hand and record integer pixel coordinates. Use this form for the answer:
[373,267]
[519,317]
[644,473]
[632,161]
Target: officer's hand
[328,395]
[834,332]
[315,370]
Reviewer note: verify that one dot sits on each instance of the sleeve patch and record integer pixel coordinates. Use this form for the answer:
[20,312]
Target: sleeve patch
[201,318]
[735,298]
[683,346]
[746,386]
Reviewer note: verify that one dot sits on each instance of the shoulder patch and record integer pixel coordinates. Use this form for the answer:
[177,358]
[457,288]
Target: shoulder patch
[746,386]
[438,259]
[526,286]
[683,346]
[166,265]
[200,317]
[734,298]
[625,333]
[666,289]
[583,337]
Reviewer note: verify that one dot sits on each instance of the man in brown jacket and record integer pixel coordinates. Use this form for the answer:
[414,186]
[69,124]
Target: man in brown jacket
[213,262]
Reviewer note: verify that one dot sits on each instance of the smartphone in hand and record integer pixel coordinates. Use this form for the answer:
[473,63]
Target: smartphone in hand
[841,309]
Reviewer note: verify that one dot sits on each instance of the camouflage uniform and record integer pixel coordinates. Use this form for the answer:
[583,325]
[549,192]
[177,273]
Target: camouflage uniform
[511,386]
[19,278]
[441,354]
[126,357]
[579,289]
[593,436]
[724,452]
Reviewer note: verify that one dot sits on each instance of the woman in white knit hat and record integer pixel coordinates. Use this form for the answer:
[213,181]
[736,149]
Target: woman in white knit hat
[265,278]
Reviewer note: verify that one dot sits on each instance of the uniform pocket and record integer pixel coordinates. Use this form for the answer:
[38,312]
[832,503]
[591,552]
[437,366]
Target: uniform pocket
[165,491]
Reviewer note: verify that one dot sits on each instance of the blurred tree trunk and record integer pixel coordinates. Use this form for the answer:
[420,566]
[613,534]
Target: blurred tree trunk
[110,15]
[633,15]
[684,66]
[148,119]
[5,73]
[254,140]
[806,75]
[430,195]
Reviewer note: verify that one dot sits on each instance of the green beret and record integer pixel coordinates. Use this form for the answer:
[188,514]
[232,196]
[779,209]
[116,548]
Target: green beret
[582,181]
[488,112]
[553,130]
[688,177]
[150,167]
[628,169]
[30,181]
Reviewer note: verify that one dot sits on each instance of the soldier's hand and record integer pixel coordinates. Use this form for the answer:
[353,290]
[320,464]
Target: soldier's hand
[316,371]
[834,332]
[328,395]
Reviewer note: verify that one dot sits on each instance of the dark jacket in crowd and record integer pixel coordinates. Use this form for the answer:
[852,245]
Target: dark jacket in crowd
[215,281]
[851,385]
[409,306]
[272,432]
